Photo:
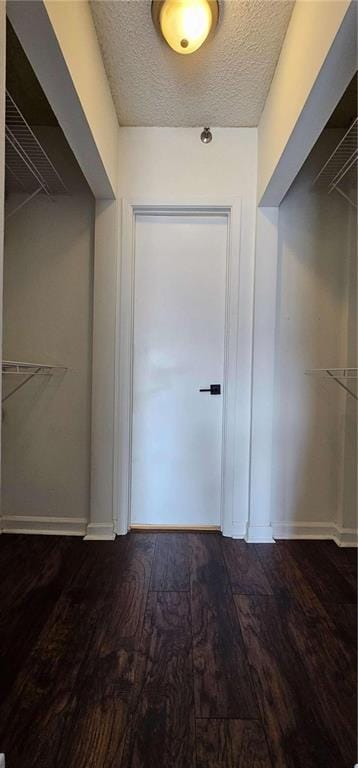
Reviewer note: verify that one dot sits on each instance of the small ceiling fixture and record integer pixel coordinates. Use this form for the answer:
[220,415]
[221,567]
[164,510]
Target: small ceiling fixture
[206,136]
[185,24]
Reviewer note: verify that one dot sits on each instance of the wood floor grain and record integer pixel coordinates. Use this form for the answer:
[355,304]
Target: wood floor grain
[345,620]
[222,681]
[312,561]
[285,577]
[344,559]
[176,651]
[170,572]
[112,677]
[43,697]
[328,666]
[45,569]
[161,731]
[299,736]
[231,744]
[246,574]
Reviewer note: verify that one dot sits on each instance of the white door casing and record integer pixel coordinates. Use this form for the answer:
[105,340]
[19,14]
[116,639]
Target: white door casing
[235,457]
[179,329]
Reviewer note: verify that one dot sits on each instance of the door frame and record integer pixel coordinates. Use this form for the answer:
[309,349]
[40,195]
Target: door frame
[235,462]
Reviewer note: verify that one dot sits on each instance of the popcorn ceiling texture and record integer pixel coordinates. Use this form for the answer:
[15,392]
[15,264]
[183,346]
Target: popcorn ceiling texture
[225,83]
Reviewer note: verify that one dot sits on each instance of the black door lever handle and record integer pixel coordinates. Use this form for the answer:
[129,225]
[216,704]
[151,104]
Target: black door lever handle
[214,389]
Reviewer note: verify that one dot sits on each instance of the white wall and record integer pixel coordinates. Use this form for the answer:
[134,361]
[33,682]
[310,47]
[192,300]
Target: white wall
[48,286]
[106,260]
[314,254]
[172,165]
[349,506]
[259,527]
[2,160]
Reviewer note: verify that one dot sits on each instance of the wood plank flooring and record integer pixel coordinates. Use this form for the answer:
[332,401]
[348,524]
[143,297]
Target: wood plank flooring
[177,650]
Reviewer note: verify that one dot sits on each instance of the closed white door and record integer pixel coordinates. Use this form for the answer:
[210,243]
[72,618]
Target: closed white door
[179,324]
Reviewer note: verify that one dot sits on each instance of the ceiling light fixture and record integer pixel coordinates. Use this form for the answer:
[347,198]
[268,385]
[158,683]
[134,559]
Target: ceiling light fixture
[185,24]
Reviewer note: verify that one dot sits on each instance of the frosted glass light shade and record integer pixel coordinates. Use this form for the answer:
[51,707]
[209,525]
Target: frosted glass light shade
[185,24]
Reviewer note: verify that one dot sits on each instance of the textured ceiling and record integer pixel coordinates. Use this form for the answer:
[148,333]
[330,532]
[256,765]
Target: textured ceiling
[225,83]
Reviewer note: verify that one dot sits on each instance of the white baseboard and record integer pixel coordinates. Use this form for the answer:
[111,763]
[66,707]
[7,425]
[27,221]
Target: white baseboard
[238,531]
[259,534]
[304,530]
[100,532]
[54,526]
[77,526]
[344,537]
[174,528]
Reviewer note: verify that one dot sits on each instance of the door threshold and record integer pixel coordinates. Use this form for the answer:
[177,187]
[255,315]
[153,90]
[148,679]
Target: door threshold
[173,528]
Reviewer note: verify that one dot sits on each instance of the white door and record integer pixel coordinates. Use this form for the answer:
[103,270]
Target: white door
[179,323]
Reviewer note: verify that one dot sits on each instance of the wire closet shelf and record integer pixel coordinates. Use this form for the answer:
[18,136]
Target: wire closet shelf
[29,169]
[345,377]
[340,170]
[27,371]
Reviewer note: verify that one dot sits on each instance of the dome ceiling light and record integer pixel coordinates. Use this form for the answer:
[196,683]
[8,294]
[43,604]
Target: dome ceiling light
[185,24]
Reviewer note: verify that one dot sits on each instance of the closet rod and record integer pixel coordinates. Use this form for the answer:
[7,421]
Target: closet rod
[8,366]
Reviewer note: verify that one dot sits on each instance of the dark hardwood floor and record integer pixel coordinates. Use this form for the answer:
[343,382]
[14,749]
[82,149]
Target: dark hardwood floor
[177,651]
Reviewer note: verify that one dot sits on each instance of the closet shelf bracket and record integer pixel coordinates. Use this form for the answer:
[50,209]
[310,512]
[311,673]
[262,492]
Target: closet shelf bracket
[28,371]
[23,203]
[340,375]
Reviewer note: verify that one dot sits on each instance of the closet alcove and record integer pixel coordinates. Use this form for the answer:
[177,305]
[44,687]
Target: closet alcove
[47,314]
[315,424]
